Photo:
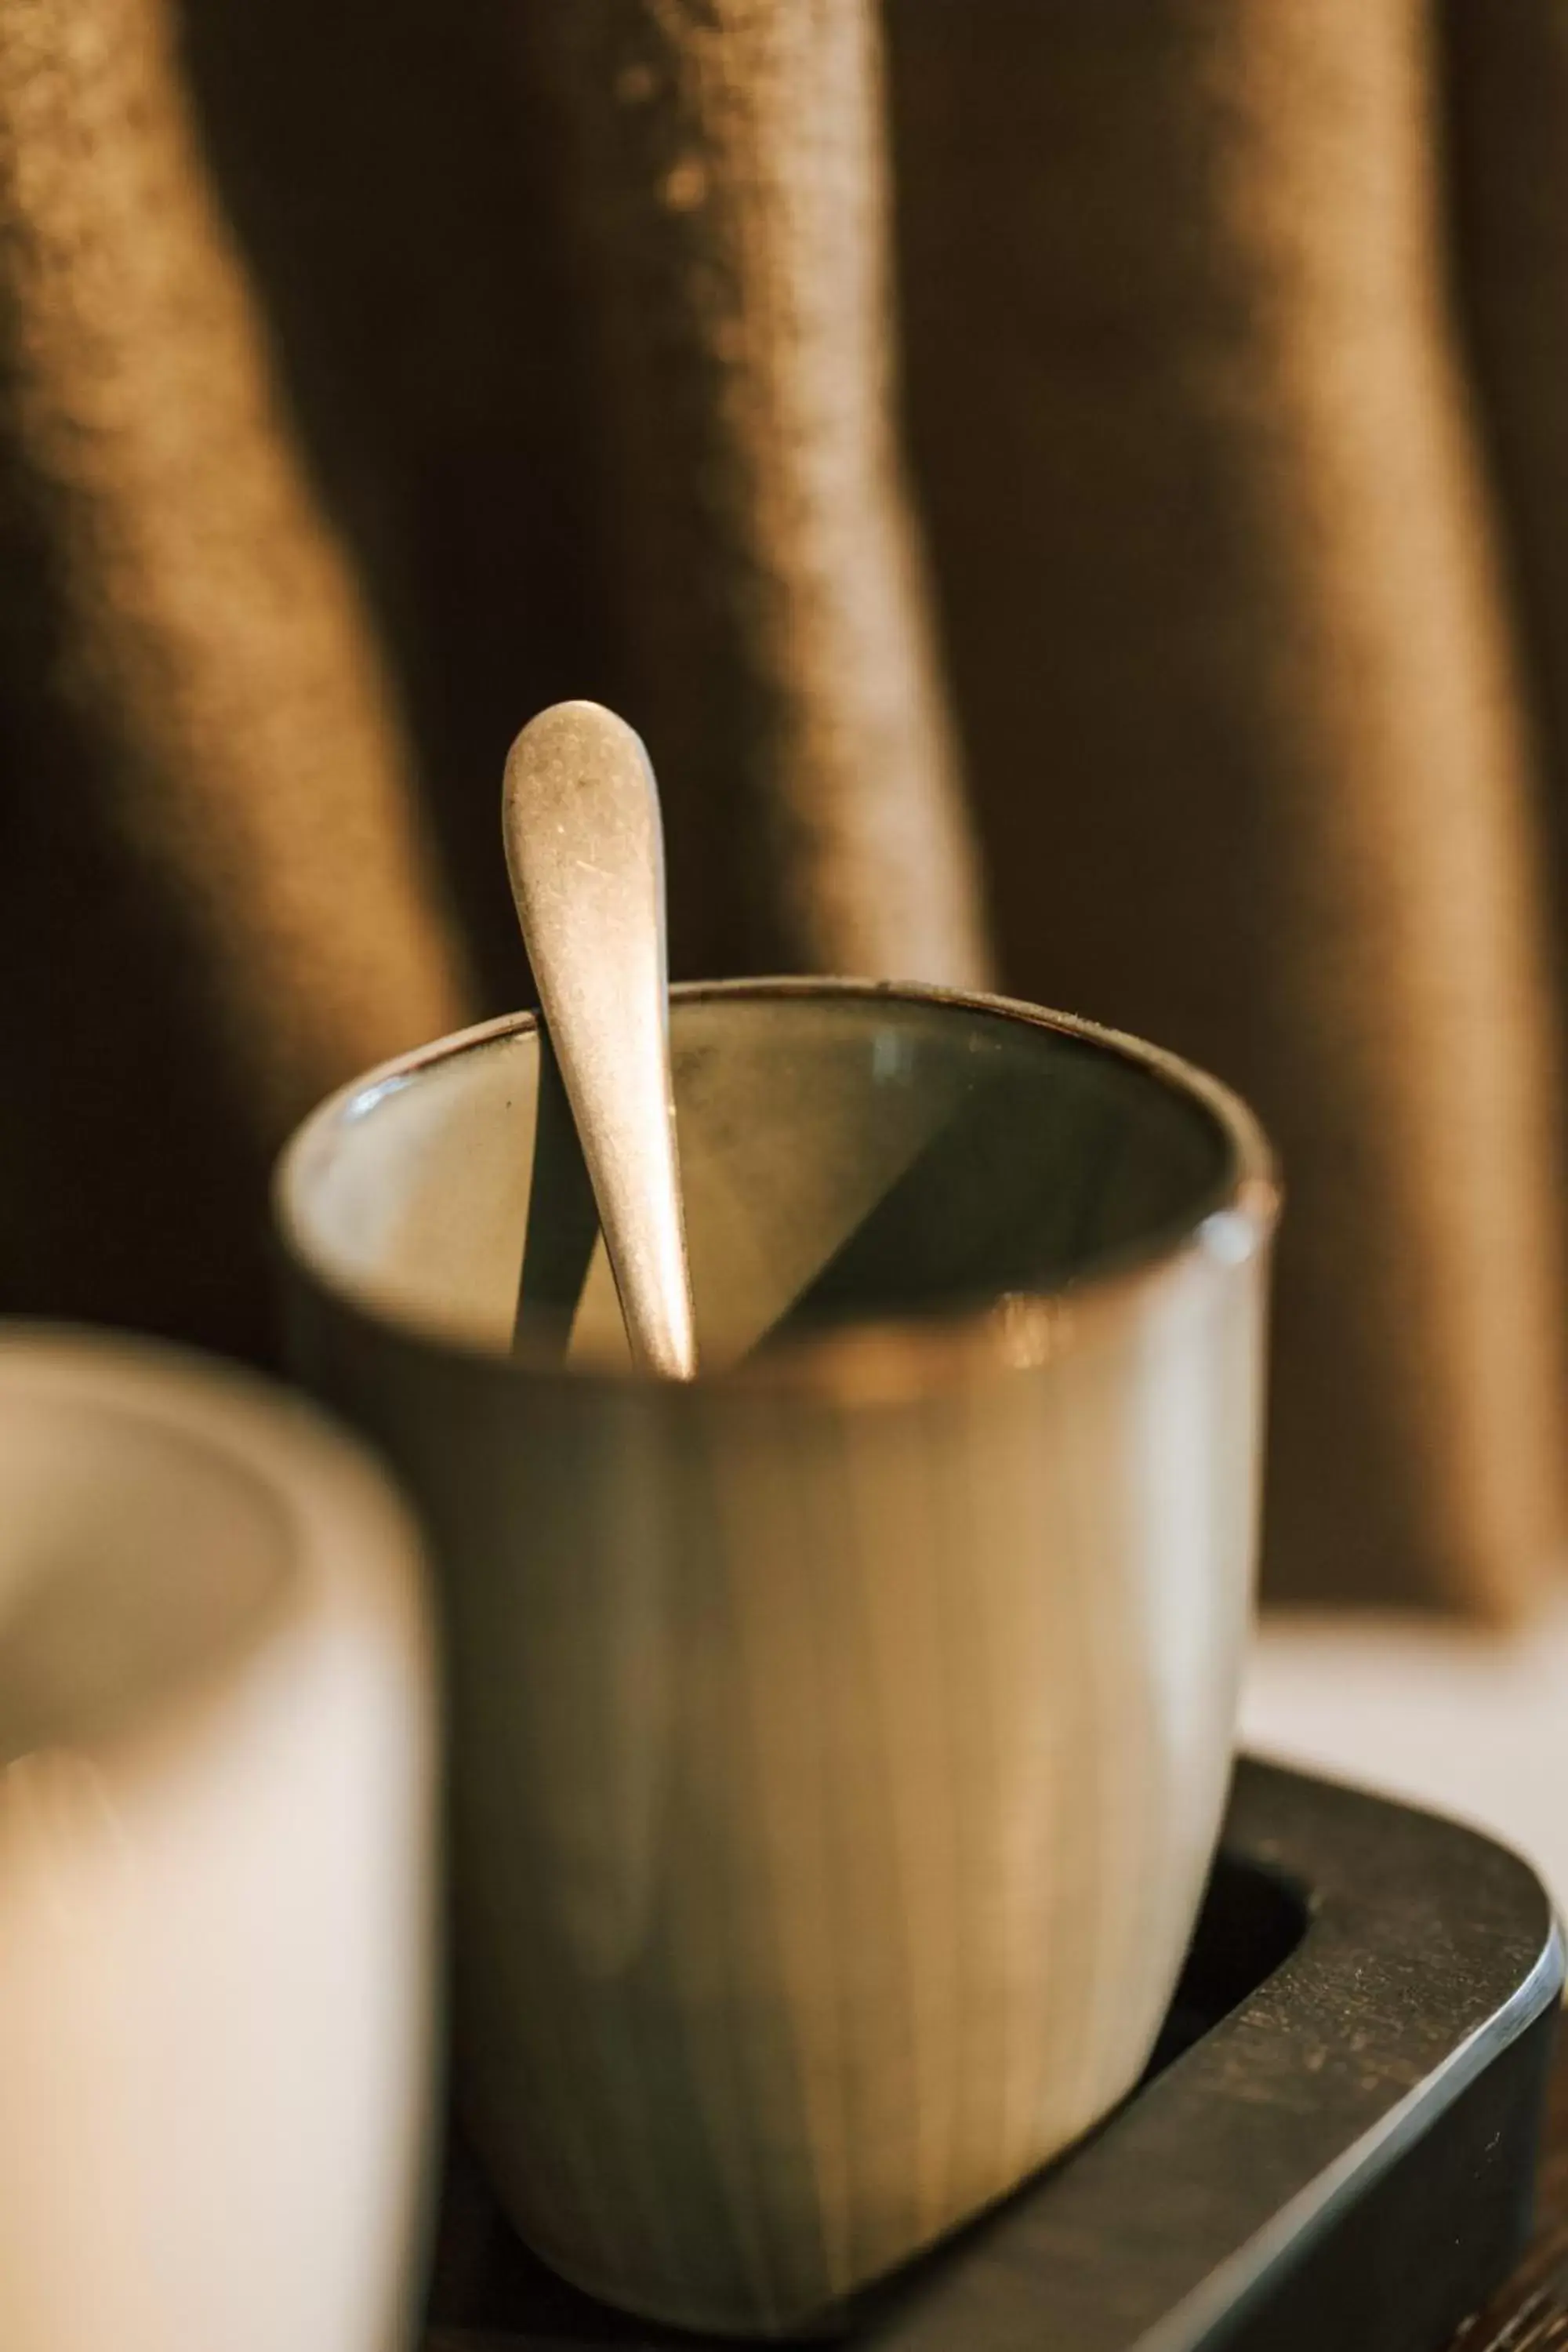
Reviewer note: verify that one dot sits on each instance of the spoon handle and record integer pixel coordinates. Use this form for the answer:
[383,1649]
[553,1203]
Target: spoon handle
[586,852]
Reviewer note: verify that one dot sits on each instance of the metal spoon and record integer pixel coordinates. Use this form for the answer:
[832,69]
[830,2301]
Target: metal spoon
[585,848]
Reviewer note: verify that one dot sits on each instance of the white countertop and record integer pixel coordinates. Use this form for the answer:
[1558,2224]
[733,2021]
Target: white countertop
[1470,1723]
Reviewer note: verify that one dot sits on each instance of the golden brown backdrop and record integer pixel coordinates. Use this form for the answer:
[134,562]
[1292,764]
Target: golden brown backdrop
[1151,412]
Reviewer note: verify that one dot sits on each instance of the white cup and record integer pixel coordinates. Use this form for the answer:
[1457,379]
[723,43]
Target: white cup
[216,1945]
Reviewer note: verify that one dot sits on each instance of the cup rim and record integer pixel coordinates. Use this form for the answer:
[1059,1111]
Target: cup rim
[340,1525]
[874,1356]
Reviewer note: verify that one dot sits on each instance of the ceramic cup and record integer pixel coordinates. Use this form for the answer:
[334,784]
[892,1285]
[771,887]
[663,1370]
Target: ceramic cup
[838,1742]
[216,1900]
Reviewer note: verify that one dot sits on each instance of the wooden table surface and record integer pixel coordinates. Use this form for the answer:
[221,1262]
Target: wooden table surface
[1529,2314]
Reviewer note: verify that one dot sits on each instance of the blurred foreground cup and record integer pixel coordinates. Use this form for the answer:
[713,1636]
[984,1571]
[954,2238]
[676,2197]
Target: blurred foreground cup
[216,1774]
[840,1740]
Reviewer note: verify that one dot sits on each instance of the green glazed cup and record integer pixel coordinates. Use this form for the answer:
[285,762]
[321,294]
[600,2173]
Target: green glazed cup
[838,1742]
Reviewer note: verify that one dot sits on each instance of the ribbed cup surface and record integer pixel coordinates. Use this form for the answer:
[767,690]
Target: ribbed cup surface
[839,1743]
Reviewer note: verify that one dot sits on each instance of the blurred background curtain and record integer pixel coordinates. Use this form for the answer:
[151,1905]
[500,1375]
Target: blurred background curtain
[1071,495]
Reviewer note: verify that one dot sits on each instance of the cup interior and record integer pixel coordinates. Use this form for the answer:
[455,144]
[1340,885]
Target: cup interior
[134,1558]
[848,1155]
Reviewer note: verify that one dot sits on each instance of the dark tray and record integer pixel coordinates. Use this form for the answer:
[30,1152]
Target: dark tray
[1334,2144]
